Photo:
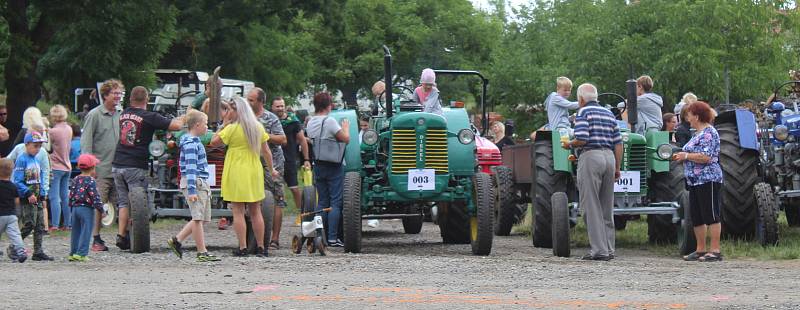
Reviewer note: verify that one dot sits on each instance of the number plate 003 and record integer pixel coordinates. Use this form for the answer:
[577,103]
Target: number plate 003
[421,179]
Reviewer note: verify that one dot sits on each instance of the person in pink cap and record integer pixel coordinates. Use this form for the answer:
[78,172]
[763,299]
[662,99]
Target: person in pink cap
[84,199]
[427,94]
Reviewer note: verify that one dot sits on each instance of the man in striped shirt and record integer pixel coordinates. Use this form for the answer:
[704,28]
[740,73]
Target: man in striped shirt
[597,134]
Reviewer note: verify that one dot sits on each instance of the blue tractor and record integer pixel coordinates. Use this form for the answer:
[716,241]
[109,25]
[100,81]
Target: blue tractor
[749,207]
[781,151]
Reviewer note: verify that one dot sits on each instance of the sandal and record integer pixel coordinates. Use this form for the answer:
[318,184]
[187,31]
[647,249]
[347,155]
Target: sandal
[711,257]
[274,245]
[694,256]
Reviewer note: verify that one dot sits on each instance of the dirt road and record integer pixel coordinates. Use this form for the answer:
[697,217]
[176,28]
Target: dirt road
[396,271]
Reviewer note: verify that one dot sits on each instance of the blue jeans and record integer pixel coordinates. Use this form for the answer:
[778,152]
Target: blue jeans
[82,230]
[329,181]
[59,199]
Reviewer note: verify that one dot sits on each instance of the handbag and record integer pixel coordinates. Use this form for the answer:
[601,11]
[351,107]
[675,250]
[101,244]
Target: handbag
[328,150]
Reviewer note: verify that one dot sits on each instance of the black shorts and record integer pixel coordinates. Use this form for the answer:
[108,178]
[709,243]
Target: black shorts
[290,173]
[704,201]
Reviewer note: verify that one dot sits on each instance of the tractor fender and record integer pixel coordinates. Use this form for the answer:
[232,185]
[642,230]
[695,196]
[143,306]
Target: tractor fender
[747,127]
[352,152]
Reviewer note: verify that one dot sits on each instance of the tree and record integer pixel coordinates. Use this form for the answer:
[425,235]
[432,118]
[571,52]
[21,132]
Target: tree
[48,43]
[684,45]
[264,41]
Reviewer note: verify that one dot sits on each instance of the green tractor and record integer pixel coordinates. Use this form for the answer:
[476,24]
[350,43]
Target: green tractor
[650,185]
[410,162]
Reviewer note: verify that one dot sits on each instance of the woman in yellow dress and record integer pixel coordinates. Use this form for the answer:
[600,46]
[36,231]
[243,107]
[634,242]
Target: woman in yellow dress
[242,173]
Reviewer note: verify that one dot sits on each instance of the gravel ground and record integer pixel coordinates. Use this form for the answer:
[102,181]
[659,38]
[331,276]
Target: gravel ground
[395,271]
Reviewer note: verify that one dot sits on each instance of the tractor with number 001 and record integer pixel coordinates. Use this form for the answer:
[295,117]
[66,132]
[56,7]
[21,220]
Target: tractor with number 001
[650,184]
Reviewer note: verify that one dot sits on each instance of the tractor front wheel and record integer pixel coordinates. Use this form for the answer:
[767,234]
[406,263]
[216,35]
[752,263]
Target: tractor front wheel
[481,225]
[140,220]
[686,239]
[767,219]
[560,222]
[351,208]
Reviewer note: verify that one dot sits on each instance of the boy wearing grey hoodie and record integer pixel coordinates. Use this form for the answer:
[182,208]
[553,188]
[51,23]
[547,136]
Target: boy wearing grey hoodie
[648,106]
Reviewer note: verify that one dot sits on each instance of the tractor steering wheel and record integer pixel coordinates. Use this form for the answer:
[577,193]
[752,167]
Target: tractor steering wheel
[406,95]
[619,112]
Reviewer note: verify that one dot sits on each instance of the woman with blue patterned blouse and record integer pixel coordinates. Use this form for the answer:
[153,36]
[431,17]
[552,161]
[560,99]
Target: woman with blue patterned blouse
[704,178]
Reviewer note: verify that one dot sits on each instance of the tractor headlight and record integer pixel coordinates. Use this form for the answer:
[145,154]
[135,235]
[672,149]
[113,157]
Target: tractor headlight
[466,136]
[370,137]
[157,148]
[664,151]
[781,132]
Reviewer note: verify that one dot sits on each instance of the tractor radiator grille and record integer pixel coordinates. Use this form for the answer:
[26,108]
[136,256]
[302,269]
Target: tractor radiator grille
[405,150]
[637,161]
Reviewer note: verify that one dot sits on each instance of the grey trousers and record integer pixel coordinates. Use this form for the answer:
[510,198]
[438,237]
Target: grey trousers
[596,188]
[9,225]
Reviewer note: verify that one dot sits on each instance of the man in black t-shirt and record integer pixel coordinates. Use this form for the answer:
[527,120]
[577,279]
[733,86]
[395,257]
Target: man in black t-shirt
[295,137]
[136,128]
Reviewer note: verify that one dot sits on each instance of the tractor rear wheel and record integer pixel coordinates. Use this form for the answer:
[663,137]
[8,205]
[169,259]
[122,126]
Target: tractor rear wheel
[508,209]
[740,172]
[547,181]
[560,237]
[665,187]
[766,225]
[481,225]
[352,213]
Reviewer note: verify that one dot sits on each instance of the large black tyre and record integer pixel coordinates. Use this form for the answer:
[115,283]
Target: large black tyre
[766,228]
[560,226]
[351,210]
[740,172]
[508,209]
[413,225]
[453,221]
[687,243]
[620,222]
[665,187]
[140,220]
[267,214]
[792,210]
[481,225]
[547,182]
[309,199]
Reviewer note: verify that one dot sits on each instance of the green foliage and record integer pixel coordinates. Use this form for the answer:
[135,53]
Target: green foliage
[684,45]
[268,42]
[118,39]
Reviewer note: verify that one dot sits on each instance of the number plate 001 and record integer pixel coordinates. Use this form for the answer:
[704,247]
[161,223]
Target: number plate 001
[628,182]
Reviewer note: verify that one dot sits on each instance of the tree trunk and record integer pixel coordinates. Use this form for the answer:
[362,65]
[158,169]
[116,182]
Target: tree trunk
[27,43]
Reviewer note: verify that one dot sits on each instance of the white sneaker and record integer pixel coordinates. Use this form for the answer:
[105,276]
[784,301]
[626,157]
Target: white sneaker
[372,223]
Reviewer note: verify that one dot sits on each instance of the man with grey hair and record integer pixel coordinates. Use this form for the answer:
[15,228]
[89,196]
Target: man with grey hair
[597,135]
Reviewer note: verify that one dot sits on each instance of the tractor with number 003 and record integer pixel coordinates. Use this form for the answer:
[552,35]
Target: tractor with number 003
[650,183]
[411,160]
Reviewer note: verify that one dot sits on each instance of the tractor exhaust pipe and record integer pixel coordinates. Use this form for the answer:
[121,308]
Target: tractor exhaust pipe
[387,75]
[630,91]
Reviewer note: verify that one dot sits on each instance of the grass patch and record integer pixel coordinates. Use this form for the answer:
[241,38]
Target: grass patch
[635,237]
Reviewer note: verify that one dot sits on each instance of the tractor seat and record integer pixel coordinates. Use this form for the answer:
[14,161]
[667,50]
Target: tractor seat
[410,106]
